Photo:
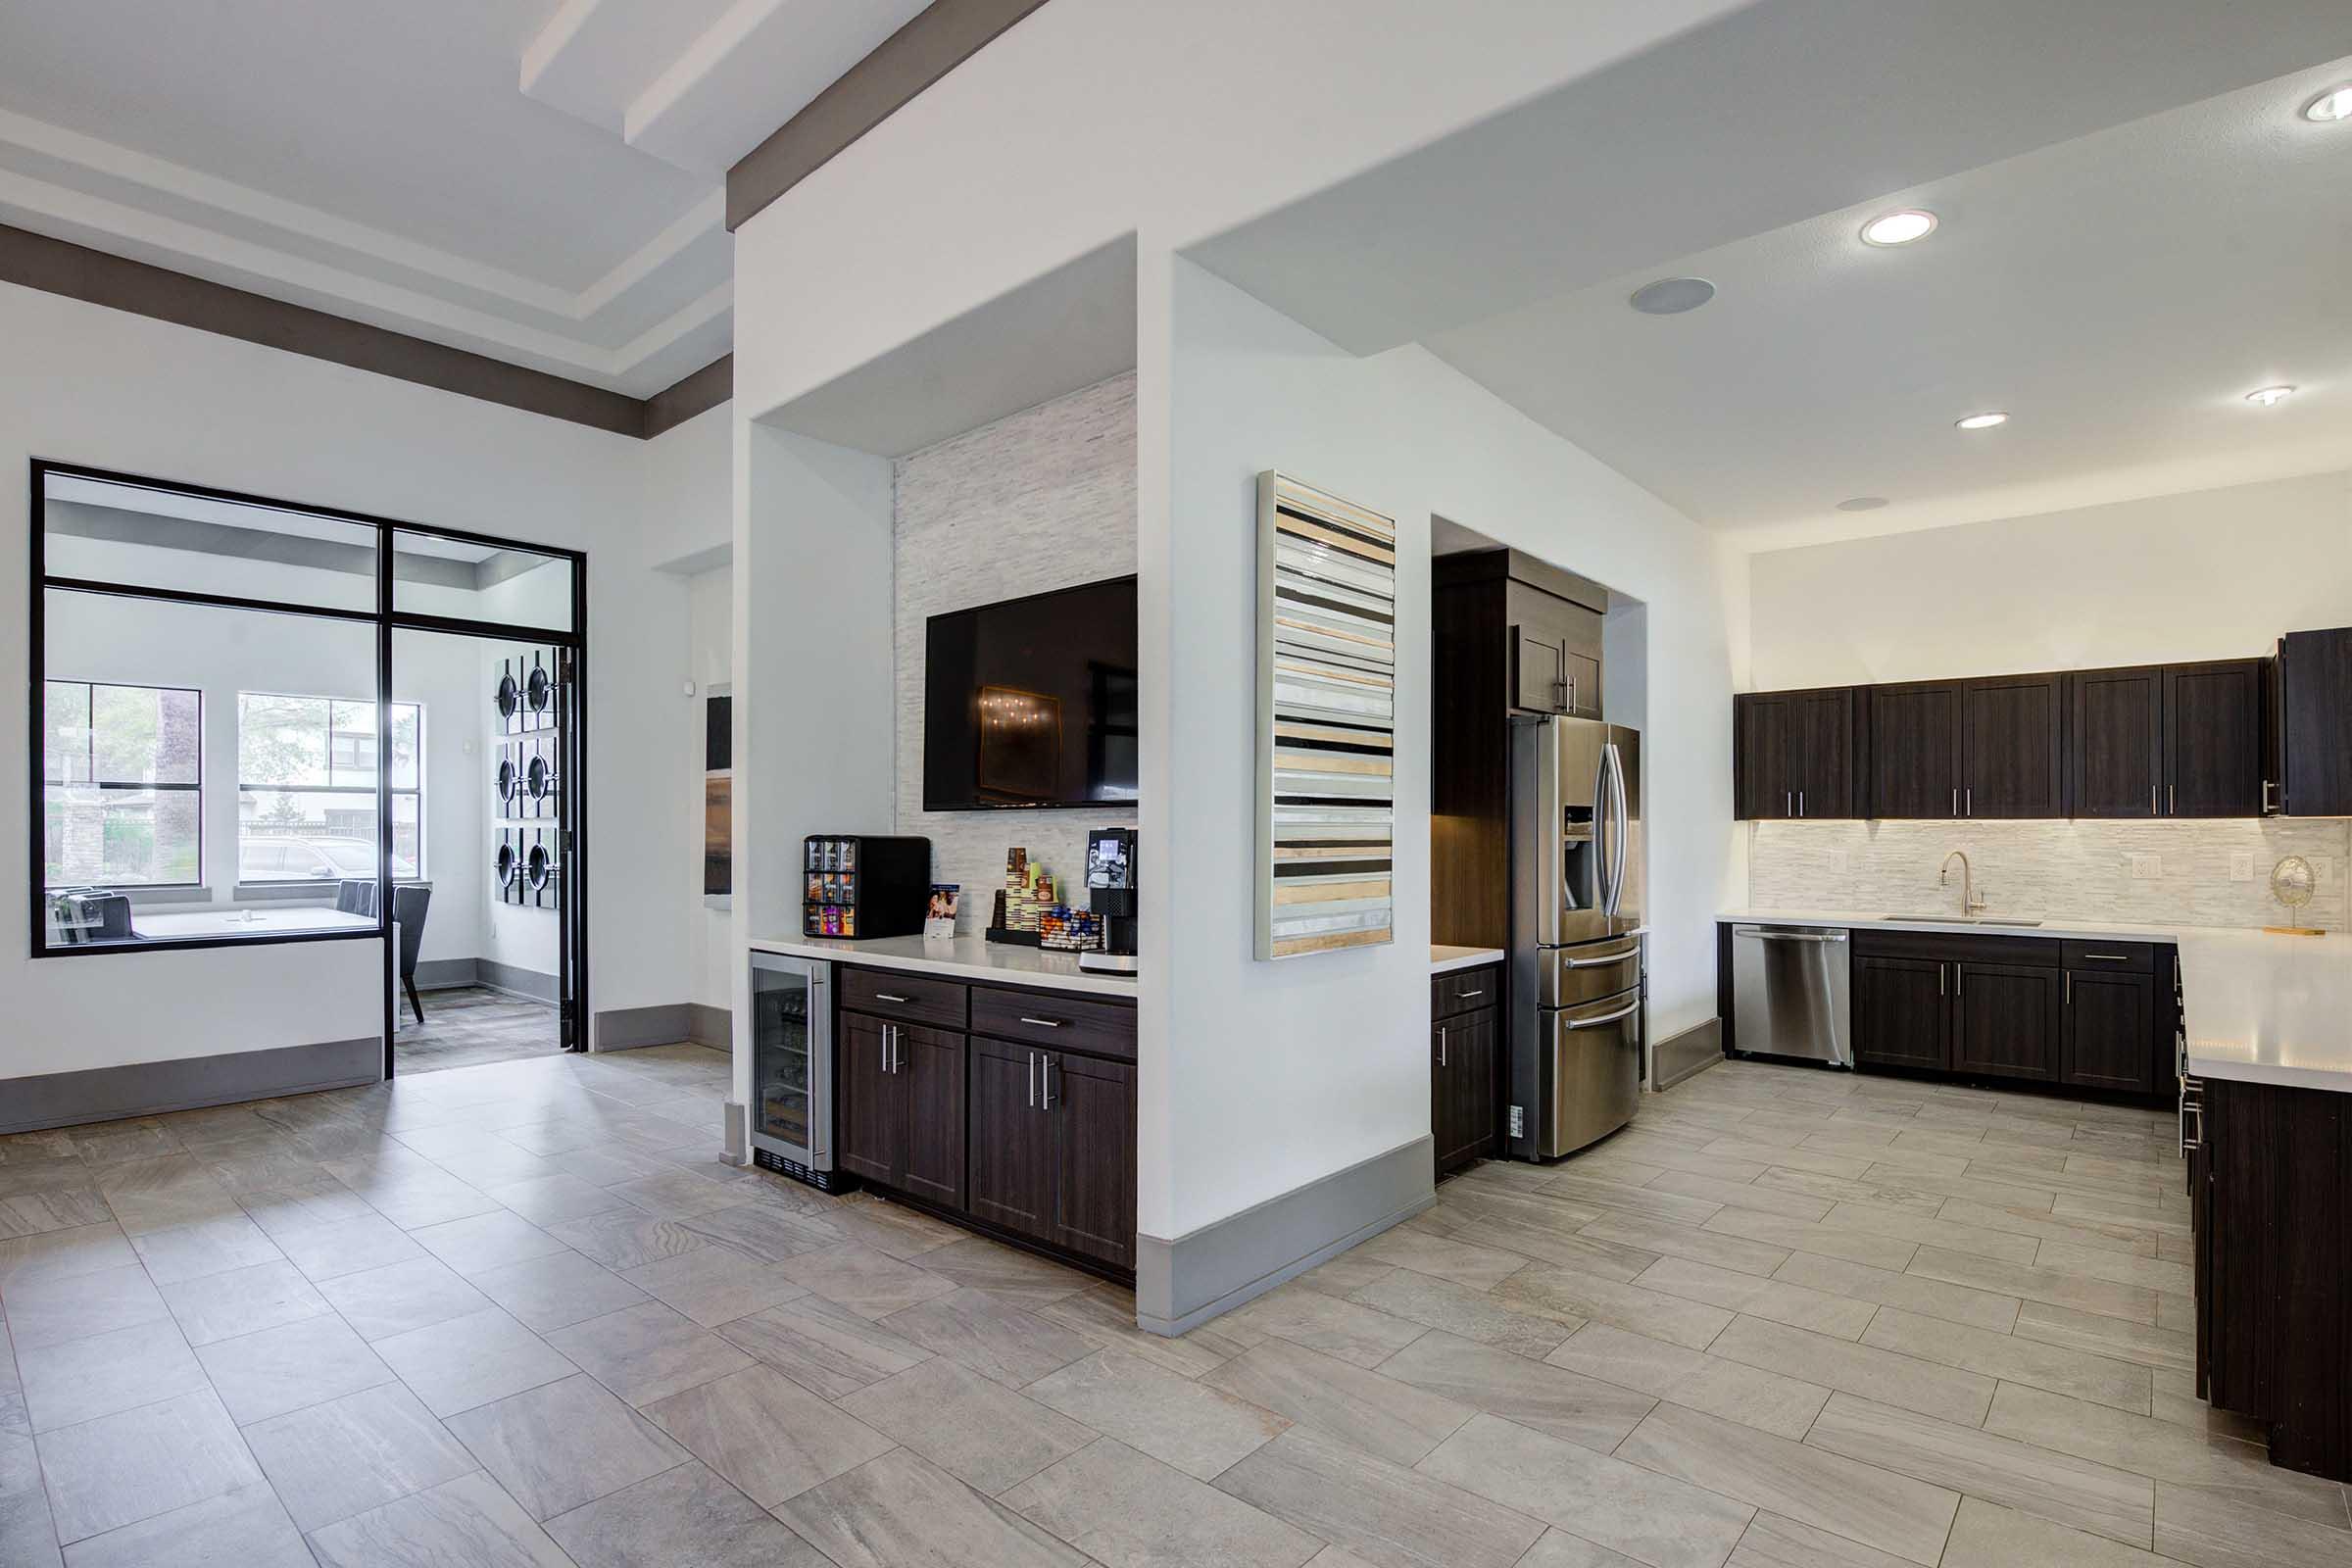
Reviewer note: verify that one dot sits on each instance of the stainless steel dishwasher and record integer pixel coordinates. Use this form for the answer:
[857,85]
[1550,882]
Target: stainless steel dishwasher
[1792,993]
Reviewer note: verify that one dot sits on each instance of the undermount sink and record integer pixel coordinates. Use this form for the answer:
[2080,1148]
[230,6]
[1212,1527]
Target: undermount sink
[1962,919]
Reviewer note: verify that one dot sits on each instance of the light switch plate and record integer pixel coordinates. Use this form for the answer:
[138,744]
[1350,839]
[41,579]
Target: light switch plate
[2241,865]
[2147,867]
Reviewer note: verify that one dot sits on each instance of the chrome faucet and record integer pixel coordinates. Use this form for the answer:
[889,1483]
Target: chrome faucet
[1970,904]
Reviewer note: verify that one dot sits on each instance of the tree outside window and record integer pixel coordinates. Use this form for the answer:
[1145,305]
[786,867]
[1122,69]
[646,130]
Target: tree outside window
[122,785]
[306,788]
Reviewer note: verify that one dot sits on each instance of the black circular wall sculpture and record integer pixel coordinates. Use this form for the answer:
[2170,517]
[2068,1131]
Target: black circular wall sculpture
[541,867]
[539,778]
[505,865]
[507,780]
[510,697]
[540,689]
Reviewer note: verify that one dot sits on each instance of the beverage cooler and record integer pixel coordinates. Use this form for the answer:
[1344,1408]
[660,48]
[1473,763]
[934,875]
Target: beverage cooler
[792,1069]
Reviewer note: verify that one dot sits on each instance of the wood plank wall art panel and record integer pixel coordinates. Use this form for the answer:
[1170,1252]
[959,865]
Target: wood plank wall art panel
[1326,721]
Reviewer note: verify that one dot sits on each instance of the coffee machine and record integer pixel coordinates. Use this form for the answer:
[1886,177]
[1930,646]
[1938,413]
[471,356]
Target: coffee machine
[1110,892]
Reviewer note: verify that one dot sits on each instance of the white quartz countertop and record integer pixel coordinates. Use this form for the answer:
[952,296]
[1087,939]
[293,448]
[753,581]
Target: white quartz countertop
[2069,928]
[2268,1009]
[1445,959]
[962,959]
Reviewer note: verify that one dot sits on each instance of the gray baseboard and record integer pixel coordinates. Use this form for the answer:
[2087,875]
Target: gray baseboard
[152,1088]
[446,975]
[737,1121]
[1182,1284]
[626,1028]
[523,982]
[1693,1050]
[711,1026]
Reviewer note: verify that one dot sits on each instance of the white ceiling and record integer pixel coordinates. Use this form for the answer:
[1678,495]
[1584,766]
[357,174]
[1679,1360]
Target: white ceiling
[536,181]
[2138,229]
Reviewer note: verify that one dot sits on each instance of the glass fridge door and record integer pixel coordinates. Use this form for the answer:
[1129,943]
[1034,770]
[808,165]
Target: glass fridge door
[784,999]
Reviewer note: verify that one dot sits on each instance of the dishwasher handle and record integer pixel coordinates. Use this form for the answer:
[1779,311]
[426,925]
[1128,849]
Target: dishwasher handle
[1760,933]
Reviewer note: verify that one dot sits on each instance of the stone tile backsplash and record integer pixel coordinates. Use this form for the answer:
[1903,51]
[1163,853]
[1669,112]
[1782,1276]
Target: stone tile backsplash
[2050,869]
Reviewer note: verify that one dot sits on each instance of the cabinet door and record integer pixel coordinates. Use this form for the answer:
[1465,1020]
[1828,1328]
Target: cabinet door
[2213,739]
[1092,1117]
[1009,1166]
[2006,1019]
[1902,1011]
[1461,1055]
[2012,745]
[2115,759]
[1582,678]
[1538,672]
[1764,724]
[931,1078]
[2110,1030]
[2315,699]
[1915,750]
[872,1100]
[1822,760]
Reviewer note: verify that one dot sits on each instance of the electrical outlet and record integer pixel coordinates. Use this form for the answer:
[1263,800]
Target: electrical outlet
[2147,867]
[2241,865]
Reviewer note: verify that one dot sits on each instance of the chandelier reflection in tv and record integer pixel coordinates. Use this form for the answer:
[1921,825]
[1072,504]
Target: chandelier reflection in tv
[1033,701]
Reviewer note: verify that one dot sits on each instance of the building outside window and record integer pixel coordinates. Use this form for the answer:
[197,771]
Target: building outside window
[305,789]
[122,785]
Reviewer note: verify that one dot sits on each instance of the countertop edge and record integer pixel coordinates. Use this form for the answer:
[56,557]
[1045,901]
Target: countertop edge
[2061,930]
[1465,959]
[2326,1080]
[961,961]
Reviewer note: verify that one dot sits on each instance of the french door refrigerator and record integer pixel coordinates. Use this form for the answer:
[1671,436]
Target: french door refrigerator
[1576,953]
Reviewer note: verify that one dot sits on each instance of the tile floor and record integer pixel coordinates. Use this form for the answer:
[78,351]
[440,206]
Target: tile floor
[516,1314]
[468,1026]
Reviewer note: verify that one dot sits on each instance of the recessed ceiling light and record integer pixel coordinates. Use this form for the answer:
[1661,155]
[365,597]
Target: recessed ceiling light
[2331,106]
[1899,228]
[1982,421]
[1862,504]
[2269,396]
[1672,296]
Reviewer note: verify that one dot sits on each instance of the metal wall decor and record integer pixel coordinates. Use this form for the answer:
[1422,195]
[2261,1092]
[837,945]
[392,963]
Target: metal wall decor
[1326,721]
[526,782]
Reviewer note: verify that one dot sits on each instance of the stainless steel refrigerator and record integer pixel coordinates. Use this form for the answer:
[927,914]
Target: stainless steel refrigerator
[1575,964]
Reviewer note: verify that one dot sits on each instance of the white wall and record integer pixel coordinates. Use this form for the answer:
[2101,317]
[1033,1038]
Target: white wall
[710,666]
[1278,1073]
[2210,575]
[94,387]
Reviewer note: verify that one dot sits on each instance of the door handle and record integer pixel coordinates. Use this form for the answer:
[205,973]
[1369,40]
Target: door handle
[2152,812]
[1625,1011]
[1440,1045]
[1968,801]
[2070,988]
[2172,800]
[1033,1080]
[2269,805]
[1955,802]
[1786,808]
[1959,980]
[1939,985]
[1800,803]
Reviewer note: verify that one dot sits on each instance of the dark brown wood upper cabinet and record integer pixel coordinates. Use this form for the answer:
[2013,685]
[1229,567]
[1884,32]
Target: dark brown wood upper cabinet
[2013,757]
[1915,748]
[2315,722]
[1793,754]
[2213,739]
[2115,765]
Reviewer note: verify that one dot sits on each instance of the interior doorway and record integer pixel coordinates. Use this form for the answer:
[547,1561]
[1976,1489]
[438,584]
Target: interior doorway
[486,660]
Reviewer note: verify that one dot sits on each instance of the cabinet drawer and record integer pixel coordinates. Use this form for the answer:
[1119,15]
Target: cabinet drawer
[1957,946]
[2129,957]
[1061,1022]
[1464,991]
[913,998]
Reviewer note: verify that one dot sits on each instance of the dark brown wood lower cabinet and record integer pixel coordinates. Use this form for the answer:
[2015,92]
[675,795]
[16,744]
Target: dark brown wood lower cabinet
[1464,1052]
[2006,1019]
[2110,1022]
[1902,1017]
[930,1068]
[870,1107]
[1092,1113]
[1011,1163]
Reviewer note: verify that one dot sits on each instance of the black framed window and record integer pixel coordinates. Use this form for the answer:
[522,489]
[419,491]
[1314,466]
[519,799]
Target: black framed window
[122,785]
[307,788]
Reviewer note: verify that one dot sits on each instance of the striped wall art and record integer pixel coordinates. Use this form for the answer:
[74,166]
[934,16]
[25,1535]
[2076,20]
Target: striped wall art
[1326,721]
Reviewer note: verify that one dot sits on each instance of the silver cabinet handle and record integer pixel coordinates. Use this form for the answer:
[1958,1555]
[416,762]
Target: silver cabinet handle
[1470,996]
[2268,806]
[2192,1101]
[1786,808]
[884,996]
[1625,1011]
[1959,979]
[1033,1080]
[1611,962]
[2109,957]
[1043,1023]
[1440,1045]
[2152,812]
[886,1048]
[1749,932]
[1939,986]
[2172,800]
[2070,988]
[1967,802]
[1955,803]
[1045,1078]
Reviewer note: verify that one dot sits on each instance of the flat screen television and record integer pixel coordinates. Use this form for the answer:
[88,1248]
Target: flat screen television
[1031,702]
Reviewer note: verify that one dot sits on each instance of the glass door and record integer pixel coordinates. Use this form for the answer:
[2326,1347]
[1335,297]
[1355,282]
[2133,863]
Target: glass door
[791,1101]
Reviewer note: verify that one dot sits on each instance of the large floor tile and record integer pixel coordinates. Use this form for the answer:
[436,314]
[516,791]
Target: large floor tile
[2058,1287]
[1773,1542]
[1548,1399]
[1859,1501]
[624,1240]
[1728,1389]
[563,1444]
[380,1302]
[348,1455]
[2149,1344]
[987,1265]
[1105,1314]
[346,1247]
[1777,1301]
[2078,1493]
[2217,1530]
[765,1434]
[1384,1513]
[558,1289]
[74,1306]
[899,1511]
[1987,1535]
[1911,1292]
[243,1301]
[652,1521]
[467,1521]
[134,1464]
[1478,1268]
[1192,1426]
[1588,1298]
[210,1246]
[1346,1328]
[471,1360]
[1473,1315]
[281,1369]
[768,1231]
[715,1285]
[1126,1510]
[81,1379]
[2014,1358]
[1907,1382]
[27,1533]
[1652,1517]
[247,1528]
[869,1282]
[79,1249]
[1673,1240]
[1347,1402]
[1830,1241]
[976,1430]
[990,1334]
[826,1348]
[168,1190]
[479,1242]
[647,1352]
